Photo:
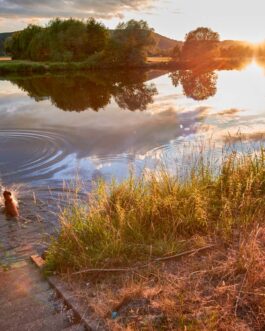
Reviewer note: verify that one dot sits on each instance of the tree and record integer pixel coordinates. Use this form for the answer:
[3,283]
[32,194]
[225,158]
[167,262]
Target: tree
[97,36]
[200,45]
[176,53]
[129,43]
[60,40]
[18,46]
[74,40]
[202,34]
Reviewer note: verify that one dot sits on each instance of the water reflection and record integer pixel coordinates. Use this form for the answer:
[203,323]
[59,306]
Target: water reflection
[198,86]
[91,91]
[261,61]
[131,90]
[200,79]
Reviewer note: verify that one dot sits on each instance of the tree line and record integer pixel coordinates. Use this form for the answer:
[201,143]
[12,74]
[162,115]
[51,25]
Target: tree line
[204,45]
[75,40]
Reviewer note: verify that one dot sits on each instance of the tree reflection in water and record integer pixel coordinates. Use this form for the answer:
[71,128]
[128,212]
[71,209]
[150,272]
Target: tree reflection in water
[198,86]
[136,96]
[90,91]
[199,80]
[130,89]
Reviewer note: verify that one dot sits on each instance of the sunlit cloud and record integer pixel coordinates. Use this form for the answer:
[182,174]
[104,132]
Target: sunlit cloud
[229,112]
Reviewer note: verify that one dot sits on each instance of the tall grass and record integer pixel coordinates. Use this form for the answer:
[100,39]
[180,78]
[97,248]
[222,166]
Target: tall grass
[141,218]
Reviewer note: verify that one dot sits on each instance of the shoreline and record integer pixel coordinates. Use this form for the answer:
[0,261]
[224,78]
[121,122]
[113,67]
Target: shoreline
[23,66]
[31,67]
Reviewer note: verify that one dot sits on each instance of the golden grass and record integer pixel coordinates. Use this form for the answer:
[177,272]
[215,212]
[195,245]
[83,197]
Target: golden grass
[142,218]
[5,58]
[160,59]
[133,222]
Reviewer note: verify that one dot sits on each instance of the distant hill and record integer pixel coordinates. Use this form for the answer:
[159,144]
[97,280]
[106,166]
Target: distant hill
[229,43]
[164,45]
[3,37]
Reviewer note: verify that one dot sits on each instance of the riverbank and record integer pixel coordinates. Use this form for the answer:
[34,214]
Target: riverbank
[135,232]
[19,66]
[163,63]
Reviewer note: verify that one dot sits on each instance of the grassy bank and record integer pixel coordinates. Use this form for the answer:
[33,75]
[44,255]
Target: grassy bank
[133,223]
[142,218]
[95,63]
[19,66]
[22,66]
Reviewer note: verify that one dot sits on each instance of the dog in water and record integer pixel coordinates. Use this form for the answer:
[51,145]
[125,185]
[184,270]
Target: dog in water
[11,207]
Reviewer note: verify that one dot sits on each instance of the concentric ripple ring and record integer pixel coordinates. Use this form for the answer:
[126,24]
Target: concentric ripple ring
[32,154]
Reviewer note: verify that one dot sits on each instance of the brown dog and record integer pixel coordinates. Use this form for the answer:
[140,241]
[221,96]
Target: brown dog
[10,205]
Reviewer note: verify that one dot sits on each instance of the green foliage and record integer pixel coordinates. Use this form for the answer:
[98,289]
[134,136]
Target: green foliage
[18,46]
[74,40]
[158,214]
[62,40]
[23,66]
[129,43]
[97,37]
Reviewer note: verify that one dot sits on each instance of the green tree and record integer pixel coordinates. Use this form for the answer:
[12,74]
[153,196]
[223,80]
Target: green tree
[129,43]
[97,36]
[18,46]
[60,40]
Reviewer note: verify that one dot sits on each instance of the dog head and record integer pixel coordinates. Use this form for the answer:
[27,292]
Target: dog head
[7,195]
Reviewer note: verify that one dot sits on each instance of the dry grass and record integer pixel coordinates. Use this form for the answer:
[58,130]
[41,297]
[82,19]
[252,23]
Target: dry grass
[143,218]
[5,58]
[135,221]
[221,290]
[159,59]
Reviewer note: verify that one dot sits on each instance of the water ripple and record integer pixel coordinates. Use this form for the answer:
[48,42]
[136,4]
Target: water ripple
[31,154]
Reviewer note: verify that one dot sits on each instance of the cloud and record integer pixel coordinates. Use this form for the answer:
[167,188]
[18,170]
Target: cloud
[71,8]
[229,112]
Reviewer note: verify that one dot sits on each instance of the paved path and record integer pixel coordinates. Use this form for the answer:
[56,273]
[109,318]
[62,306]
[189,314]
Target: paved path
[28,303]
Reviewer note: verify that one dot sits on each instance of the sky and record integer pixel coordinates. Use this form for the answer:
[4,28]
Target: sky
[233,19]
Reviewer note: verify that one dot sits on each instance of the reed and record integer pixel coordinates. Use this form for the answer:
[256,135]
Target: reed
[144,217]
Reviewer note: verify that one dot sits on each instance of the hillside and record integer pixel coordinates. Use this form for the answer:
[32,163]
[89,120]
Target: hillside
[164,45]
